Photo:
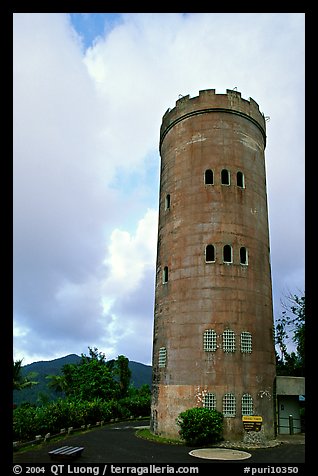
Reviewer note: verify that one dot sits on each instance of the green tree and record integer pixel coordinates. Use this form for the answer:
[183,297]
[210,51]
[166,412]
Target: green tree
[145,390]
[57,383]
[291,322]
[94,377]
[122,370]
[90,379]
[19,381]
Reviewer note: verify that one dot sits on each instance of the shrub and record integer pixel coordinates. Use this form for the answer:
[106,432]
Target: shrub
[137,405]
[200,426]
[117,410]
[29,421]
[24,422]
[54,416]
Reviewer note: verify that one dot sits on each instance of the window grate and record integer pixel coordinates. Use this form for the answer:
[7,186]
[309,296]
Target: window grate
[246,342]
[209,340]
[162,357]
[247,404]
[229,405]
[228,341]
[209,401]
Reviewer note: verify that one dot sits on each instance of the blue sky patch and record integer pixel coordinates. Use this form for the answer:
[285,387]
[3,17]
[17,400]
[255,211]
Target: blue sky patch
[92,25]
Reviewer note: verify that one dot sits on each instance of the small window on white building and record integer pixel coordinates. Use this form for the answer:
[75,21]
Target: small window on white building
[209,340]
[209,401]
[228,341]
[229,405]
[247,404]
[246,342]
[162,357]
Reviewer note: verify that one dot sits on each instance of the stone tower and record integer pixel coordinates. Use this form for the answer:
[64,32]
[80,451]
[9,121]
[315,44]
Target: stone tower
[213,321]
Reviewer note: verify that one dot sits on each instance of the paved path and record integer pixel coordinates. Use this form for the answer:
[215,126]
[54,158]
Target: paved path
[117,443]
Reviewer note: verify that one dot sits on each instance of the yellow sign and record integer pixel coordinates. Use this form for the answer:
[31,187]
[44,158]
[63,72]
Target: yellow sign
[252,422]
[252,418]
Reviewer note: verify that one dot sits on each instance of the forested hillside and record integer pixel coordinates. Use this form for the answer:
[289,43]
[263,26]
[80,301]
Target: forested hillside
[41,393]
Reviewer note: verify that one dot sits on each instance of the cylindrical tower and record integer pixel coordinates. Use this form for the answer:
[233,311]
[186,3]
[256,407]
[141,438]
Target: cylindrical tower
[213,340]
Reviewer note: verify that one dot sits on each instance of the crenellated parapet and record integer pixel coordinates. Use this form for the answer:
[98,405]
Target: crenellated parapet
[208,102]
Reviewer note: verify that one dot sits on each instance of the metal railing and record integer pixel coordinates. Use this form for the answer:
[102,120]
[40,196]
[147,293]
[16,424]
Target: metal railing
[292,422]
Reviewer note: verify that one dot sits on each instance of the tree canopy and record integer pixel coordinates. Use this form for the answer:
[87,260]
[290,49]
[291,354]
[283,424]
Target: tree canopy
[291,324]
[94,377]
[20,381]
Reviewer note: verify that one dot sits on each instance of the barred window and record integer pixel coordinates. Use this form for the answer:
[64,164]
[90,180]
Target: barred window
[228,341]
[162,357]
[229,405]
[247,404]
[209,340]
[209,401]
[246,342]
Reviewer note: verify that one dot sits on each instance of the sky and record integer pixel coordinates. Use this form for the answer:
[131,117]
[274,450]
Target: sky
[90,91]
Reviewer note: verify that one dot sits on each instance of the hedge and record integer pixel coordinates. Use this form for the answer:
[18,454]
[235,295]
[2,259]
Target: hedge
[29,421]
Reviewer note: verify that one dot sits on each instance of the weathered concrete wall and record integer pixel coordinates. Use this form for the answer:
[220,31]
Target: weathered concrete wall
[286,385]
[212,132]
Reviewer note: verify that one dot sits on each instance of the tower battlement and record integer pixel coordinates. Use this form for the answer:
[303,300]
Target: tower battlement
[207,102]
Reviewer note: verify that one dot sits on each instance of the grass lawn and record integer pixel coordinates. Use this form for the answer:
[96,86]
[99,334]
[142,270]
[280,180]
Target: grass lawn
[146,434]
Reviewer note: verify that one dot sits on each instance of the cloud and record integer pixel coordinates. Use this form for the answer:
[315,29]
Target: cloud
[61,198]
[131,255]
[86,162]
[129,288]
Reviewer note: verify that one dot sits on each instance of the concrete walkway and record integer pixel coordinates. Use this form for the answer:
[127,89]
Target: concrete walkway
[117,443]
[299,438]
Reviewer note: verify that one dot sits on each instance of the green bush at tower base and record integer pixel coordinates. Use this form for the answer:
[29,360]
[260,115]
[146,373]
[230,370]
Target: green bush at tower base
[200,426]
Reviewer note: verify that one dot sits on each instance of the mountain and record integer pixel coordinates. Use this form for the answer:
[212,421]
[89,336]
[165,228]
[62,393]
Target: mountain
[140,374]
